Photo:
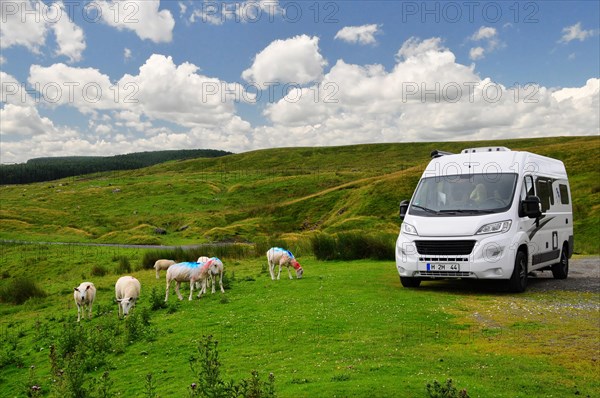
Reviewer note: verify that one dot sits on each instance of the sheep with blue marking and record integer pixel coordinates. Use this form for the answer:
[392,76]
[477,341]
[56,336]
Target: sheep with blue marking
[191,272]
[282,257]
[84,295]
[127,292]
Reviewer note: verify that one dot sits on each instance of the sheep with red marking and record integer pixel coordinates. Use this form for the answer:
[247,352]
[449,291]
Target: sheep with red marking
[162,265]
[191,272]
[84,295]
[215,268]
[278,256]
[127,292]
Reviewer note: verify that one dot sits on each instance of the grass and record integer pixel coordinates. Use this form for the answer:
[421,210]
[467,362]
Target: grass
[268,194]
[345,329]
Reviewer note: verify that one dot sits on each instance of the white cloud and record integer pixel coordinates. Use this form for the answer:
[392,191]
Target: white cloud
[69,36]
[296,60]
[127,54]
[217,13]
[488,37]
[575,32]
[140,16]
[18,31]
[2,60]
[484,32]
[27,24]
[476,53]
[427,96]
[364,34]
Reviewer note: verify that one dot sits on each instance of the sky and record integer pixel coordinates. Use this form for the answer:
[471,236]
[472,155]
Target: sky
[106,77]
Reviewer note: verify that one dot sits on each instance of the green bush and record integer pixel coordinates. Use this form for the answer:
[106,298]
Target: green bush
[123,266]
[448,390]
[98,270]
[20,290]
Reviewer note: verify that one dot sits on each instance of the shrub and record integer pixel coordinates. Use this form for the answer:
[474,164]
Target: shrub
[448,390]
[157,301]
[123,267]
[324,247]
[98,270]
[20,290]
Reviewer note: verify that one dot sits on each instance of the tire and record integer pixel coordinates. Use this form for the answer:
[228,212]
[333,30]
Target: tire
[518,280]
[410,282]
[560,270]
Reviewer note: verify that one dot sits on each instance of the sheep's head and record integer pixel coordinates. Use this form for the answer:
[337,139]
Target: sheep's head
[127,304]
[298,268]
[80,293]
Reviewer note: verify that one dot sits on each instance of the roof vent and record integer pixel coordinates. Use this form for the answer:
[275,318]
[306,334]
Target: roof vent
[437,153]
[486,149]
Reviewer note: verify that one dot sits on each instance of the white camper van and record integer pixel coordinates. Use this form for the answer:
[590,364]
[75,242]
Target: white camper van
[487,213]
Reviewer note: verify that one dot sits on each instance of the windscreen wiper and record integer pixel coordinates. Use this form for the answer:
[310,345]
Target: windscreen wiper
[467,211]
[428,210]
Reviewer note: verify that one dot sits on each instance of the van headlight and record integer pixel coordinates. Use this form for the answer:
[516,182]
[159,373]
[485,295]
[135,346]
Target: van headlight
[408,229]
[495,227]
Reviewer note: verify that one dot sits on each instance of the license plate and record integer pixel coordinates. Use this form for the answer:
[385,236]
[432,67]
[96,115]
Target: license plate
[452,267]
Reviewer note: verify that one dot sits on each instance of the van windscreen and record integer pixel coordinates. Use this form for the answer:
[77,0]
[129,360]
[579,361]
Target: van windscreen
[464,194]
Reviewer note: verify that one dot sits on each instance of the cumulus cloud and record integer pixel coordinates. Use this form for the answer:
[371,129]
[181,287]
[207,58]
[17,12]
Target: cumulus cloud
[140,16]
[575,32]
[364,34]
[426,96]
[31,32]
[296,60]
[488,39]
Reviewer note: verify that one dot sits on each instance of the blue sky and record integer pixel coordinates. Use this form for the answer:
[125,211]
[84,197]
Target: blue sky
[244,75]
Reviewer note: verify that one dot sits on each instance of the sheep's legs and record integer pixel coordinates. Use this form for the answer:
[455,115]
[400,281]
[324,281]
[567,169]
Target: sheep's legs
[289,272]
[78,312]
[279,273]
[90,311]
[221,282]
[177,286]
[167,292]
[272,269]
[192,283]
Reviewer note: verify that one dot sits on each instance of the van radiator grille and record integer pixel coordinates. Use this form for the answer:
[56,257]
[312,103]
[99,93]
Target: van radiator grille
[445,247]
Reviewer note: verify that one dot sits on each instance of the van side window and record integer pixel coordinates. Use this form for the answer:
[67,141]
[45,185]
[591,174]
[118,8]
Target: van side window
[543,188]
[564,194]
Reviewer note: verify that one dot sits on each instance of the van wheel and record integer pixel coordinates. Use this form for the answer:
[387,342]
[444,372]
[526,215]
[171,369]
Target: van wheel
[410,282]
[518,280]
[560,270]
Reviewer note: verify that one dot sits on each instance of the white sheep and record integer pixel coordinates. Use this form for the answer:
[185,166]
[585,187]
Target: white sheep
[84,295]
[162,265]
[127,291]
[281,257]
[215,267]
[185,272]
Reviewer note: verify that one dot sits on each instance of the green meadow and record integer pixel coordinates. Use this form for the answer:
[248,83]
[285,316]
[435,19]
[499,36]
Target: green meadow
[347,329]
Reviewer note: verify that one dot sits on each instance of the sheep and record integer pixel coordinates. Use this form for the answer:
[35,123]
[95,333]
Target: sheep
[162,265]
[215,267]
[281,257]
[202,259]
[186,272]
[84,295]
[127,291]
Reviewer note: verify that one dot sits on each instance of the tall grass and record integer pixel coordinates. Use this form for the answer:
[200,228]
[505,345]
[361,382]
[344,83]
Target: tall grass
[19,290]
[353,246]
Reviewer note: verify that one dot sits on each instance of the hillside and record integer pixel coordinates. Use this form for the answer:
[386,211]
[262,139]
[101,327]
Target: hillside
[52,168]
[285,193]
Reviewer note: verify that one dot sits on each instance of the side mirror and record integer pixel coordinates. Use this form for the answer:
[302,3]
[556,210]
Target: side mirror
[403,208]
[531,207]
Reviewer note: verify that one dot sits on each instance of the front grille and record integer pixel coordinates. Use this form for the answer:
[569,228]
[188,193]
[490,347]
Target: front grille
[445,247]
[445,274]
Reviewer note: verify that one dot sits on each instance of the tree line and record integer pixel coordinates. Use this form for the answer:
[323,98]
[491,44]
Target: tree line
[53,168]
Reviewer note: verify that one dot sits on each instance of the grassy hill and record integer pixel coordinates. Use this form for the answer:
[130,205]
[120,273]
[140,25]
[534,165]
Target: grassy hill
[288,193]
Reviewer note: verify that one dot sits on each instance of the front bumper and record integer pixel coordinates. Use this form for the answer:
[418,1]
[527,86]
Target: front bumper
[492,257]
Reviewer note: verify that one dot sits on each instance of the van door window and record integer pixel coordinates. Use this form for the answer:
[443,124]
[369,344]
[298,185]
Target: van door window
[528,187]
[544,192]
